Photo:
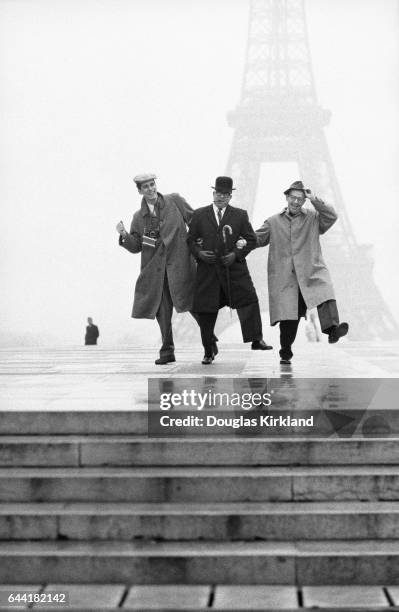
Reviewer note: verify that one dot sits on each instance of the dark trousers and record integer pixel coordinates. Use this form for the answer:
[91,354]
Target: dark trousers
[328,317]
[164,318]
[250,321]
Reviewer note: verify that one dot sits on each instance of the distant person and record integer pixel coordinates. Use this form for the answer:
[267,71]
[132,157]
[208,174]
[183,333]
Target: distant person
[92,332]
[298,278]
[159,232]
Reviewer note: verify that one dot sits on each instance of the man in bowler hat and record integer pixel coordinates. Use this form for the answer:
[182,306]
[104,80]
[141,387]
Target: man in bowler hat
[298,278]
[222,276]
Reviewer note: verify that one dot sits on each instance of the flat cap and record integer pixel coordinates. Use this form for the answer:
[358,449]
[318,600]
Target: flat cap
[142,178]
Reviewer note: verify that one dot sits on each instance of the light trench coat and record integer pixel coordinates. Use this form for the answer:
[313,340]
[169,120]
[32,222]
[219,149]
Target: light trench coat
[295,259]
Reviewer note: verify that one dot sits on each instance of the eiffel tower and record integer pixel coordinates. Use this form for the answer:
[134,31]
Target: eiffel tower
[279,120]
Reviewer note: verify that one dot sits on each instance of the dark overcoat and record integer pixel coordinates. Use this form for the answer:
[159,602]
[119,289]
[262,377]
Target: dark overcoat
[171,256]
[205,235]
[92,334]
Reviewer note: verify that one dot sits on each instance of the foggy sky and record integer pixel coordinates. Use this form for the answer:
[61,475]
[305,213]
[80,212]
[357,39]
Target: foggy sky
[95,91]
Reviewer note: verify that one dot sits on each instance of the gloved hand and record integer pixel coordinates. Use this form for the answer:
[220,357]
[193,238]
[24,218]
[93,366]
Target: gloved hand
[208,257]
[241,243]
[229,259]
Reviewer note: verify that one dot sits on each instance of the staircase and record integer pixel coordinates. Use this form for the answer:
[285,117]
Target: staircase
[87,497]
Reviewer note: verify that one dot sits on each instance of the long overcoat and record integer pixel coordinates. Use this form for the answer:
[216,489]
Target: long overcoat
[295,259]
[171,256]
[206,235]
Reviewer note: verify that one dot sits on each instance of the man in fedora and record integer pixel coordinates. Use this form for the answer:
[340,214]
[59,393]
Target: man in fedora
[298,278]
[222,277]
[159,232]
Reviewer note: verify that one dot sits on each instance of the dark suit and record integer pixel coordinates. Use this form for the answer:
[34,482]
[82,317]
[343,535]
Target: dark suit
[211,291]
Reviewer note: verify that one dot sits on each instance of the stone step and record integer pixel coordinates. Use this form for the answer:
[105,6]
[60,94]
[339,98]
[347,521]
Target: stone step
[81,422]
[223,450]
[252,483]
[217,521]
[200,484]
[381,419]
[306,563]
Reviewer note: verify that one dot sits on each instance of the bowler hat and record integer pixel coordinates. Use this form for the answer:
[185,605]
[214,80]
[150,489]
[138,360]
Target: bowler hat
[223,184]
[298,185]
[142,178]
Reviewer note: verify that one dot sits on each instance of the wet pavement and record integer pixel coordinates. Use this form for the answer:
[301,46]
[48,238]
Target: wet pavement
[116,378]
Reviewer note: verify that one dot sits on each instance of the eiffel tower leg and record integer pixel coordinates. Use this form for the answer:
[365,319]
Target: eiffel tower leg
[245,172]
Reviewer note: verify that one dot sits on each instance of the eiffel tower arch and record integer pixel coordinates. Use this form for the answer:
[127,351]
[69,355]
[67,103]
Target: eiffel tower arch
[279,119]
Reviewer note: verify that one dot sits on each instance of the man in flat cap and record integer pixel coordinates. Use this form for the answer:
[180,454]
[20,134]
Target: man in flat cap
[298,278]
[159,231]
[223,279]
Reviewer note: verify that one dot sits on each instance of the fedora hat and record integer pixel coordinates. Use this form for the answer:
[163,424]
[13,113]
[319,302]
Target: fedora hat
[298,185]
[224,184]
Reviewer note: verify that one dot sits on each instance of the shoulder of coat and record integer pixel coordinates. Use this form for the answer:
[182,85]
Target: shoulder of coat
[275,217]
[238,211]
[137,214]
[173,196]
[202,209]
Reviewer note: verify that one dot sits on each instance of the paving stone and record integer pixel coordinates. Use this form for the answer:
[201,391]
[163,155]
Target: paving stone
[394,593]
[229,597]
[168,597]
[86,596]
[7,589]
[344,597]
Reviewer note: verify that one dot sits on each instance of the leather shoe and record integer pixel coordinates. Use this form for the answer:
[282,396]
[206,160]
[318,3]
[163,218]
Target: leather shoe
[337,332]
[207,360]
[285,361]
[164,360]
[260,345]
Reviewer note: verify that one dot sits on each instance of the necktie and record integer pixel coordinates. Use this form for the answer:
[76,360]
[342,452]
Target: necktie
[219,216]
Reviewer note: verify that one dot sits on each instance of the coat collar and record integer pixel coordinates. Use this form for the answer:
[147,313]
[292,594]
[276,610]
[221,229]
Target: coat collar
[227,214]
[211,215]
[144,207]
[303,211]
